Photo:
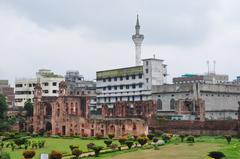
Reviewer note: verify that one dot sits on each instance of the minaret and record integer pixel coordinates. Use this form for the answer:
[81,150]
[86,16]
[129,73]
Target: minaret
[138,39]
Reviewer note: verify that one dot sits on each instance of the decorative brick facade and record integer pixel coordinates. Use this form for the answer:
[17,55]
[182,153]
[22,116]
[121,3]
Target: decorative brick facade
[69,115]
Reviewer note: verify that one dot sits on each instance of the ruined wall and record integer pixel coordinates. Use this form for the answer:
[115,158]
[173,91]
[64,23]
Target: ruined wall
[213,127]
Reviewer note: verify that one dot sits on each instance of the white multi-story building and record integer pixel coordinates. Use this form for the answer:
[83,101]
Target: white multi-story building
[24,88]
[131,83]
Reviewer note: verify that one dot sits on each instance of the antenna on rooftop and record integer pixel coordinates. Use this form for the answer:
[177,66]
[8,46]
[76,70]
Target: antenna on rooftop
[214,67]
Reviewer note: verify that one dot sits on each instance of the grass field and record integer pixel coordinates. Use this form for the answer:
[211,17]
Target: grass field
[173,150]
[178,150]
[59,144]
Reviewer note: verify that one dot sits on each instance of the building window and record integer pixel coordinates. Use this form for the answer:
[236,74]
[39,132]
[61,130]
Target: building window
[54,83]
[121,78]
[109,99]
[104,88]
[115,78]
[116,99]
[140,85]
[147,80]
[159,104]
[127,77]
[146,70]
[54,91]
[147,63]
[133,76]
[127,86]
[140,76]
[45,91]
[45,84]
[109,88]
[104,80]
[105,99]
[121,87]
[109,79]
[133,86]
[30,85]
[172,104]
[18,85]
[115,87]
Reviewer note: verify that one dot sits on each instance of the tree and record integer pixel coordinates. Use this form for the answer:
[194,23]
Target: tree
[3,106]
[108,142]
[228,138]
[28,106]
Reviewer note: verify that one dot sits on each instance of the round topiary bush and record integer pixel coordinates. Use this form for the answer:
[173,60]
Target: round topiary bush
[90,145]
[108,142]
[111,135]
[150,136]
[76,152]
[166,137]
[28,154]
[216,155]
[73,147]
[155,140]
[97,150]
[142,140]
[190,139]
[122,140]
[55,155]
[129,144]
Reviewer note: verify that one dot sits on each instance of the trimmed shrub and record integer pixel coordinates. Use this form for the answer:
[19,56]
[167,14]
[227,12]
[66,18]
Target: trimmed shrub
[90,145]
[108,142]
[76,152]
[155,140]
[190,139]
[113,146]
[41,132]
[111,135]
[20,141]
[228,138]
[150,136]
[28,154]
[129,144]
[97,150]
[142,140]
[166,137]
[99,135]
[216,155]
[55,155]
[4,155]
[122,140]
[84,135]
[182,136]
[73,147]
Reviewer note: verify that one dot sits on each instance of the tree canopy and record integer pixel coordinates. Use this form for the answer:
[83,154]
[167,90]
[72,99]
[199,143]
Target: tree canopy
[28,106]
[3,106]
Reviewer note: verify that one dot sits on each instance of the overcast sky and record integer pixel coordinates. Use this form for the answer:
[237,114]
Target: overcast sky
[89,35]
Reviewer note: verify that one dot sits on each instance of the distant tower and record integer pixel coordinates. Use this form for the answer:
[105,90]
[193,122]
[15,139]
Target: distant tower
[138,39]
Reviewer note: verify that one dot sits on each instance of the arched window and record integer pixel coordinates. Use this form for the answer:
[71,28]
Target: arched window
[172,104]
[159,104]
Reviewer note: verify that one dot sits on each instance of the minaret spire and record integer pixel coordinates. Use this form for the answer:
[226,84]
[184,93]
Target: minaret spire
[138,39]
[137,27]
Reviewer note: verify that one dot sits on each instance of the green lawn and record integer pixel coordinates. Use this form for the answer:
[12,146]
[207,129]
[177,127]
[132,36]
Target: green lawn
[174,150]
[178,150]
[59,144]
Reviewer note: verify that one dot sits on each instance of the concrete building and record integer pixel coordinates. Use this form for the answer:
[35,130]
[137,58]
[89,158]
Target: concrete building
[76,85]
[131,83]
[221,101]
[24,88]
[210,78]
[8,92]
